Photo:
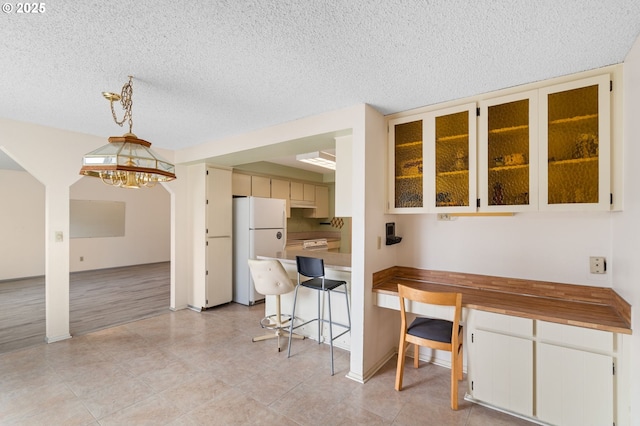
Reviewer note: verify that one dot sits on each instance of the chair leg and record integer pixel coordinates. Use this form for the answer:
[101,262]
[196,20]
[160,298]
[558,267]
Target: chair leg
[454,381]
[400,368]
[293,315]
[460,363]
[416,356]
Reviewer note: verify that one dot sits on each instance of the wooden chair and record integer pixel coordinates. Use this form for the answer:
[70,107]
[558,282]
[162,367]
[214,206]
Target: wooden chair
[432,333]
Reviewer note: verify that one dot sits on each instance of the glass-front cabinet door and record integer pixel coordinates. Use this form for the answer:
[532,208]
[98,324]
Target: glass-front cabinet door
[406,151]
[575,145]
[451,159]
[507,154]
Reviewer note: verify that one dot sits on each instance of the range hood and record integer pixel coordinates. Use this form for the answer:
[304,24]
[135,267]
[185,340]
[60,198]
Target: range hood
[302,204]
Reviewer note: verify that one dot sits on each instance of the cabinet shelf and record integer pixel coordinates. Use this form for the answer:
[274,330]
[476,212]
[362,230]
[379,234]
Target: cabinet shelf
[462,137]
[574,119]
[522,127]
[573,161]
[453,173]
[504,168]
[409,144]
[409,177]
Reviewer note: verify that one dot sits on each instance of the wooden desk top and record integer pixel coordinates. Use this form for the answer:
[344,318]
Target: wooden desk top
[590,307]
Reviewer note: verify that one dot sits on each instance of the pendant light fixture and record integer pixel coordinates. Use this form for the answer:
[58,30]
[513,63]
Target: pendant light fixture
[126,161]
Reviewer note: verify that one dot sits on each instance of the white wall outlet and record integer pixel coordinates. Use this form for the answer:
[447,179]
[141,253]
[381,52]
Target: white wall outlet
[379,242]
[444,216]
[597,265]
[58,236]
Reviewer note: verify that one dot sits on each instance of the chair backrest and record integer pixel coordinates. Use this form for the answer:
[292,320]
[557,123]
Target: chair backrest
[311,267]
[430,298]
[269,277]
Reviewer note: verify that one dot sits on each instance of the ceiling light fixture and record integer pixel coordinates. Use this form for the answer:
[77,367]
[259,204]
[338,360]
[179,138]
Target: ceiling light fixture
[126,161]
[318,158]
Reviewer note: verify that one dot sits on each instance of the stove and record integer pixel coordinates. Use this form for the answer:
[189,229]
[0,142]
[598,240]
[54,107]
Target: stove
[316,244]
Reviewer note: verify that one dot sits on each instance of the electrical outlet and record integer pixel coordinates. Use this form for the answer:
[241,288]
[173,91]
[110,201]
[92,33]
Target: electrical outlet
[379,242]
[597,265]
[81,258]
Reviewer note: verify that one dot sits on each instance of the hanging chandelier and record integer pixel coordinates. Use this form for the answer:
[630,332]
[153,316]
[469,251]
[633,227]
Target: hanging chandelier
[126,161]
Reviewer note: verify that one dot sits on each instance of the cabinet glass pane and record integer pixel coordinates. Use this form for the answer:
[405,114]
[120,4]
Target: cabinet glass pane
[408,167]
[452,160]
[573,146]
[508,156]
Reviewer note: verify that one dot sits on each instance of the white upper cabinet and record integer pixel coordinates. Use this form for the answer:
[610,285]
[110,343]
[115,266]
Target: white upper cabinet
[406,191]
[575,145]
[450,161]
[508,155]
[548,148]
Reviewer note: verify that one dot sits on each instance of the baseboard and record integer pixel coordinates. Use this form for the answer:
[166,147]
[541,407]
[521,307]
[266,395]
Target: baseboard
[373,370]
[469,398]
[179,308]
[194,308]
[57,338]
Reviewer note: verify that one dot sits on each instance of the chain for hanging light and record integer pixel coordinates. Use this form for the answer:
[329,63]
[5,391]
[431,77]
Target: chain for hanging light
[126,101]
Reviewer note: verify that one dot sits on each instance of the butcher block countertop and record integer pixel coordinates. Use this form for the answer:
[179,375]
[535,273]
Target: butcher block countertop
[598,308]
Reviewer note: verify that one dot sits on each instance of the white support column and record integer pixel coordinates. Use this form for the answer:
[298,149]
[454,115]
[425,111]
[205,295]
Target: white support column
[57,262]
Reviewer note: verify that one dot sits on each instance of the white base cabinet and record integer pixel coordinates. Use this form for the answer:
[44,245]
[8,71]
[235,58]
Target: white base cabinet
[552,373]
[575,375]
[500,360]
[574,387]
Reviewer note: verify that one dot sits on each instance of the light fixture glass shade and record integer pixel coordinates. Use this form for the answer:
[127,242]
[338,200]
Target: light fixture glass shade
[318,158]
[127,162]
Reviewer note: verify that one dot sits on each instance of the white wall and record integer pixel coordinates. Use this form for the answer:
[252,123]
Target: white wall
[21,225]
[539,246]
[147,228]
[626,225]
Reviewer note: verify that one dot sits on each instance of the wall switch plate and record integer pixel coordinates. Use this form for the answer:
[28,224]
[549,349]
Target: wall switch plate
[58,236]
[597,265]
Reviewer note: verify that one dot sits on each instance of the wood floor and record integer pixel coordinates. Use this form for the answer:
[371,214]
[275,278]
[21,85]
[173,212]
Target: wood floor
[98,299]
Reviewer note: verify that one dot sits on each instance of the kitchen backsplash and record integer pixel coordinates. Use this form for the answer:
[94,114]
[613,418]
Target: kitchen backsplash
[298,224]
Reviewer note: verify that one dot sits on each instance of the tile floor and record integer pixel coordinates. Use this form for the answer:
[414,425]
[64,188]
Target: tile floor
[188,368]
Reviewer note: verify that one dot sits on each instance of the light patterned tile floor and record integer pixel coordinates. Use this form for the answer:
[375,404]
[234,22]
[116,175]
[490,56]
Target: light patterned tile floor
[189,368]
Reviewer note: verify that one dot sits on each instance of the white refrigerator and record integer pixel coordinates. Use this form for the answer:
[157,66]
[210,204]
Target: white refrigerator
[259,228]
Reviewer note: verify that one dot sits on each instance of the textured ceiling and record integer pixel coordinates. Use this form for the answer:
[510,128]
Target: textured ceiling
[210,69]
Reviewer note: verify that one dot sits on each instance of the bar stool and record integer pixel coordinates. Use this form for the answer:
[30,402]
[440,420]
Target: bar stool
[313,268]
[271,279]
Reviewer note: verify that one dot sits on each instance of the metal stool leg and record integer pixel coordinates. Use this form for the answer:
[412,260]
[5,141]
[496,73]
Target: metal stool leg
[330,330]
[346,296]
[293,315]
[319,318]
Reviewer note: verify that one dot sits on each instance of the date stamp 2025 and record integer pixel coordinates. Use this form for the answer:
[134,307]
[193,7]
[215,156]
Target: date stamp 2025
[23,8]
